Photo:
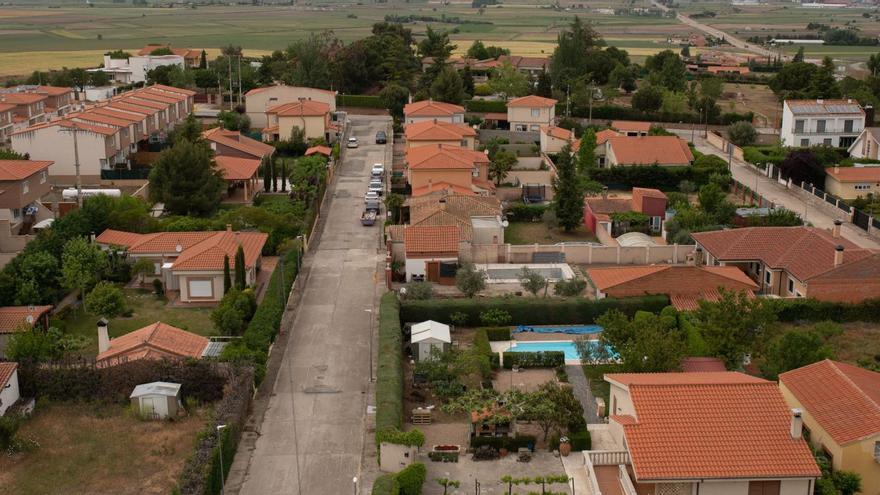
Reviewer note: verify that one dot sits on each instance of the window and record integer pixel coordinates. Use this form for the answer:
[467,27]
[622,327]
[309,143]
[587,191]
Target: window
[457,119]
[536,112]
[201,288]
[846,141]
[464,143]
[535,128]
[847,126]
[862,187]
[521,128]
[877,451]
[799,126]
[476,172]
[820,126]
[764,487]
[16,213]
[25,187]
[805,142]
[790,286]
[767,277]
[826,142]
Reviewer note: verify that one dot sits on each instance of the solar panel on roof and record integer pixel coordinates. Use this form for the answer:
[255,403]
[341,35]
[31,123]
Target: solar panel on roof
[214,348]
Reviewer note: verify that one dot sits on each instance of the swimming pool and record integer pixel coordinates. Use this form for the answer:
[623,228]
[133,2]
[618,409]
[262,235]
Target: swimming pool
[567,347]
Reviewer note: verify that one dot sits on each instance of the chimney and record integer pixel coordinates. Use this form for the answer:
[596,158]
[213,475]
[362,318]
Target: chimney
[228,227]
[604,192]
[797,424]
[869,115]
[103,336]
[430,184]
[698,256]
[835,231]
[820,101]
[838,255]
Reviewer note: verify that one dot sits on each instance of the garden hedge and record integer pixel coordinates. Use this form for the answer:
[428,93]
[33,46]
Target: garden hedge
[521,212]
[509,443]
[386,485]
[664,178]
[813,310]
[481,345]
[411,479]
[496,106]
[529,311]
[618,112]
[389,375]
[540,359]
[498,334]
[365,101]
[580,440]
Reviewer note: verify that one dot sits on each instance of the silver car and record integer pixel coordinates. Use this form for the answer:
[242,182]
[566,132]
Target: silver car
[352,142]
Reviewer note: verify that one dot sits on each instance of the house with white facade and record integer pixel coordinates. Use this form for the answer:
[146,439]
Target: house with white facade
[530,113]
[433,110]
[9,393]
[134,69]
[867,144]
[820,122]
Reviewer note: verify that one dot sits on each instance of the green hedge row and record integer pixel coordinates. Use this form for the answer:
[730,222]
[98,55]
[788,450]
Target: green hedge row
[522,212]
[813,310]
[529,311]
[664,178]
[540,359]
[485,106]
[498,334]
[359,101]
[617,112]
[509,443]
[481,344]
[389,375]
[580,440]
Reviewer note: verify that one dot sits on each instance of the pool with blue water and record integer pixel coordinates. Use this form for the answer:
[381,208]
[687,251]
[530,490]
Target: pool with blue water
[567,347]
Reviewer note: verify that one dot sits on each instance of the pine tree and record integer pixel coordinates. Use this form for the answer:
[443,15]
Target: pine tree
[184,178]
[823,84]
[203,60]
[569,201]
[799,56]
[544,87]
[240,282]
[227,278]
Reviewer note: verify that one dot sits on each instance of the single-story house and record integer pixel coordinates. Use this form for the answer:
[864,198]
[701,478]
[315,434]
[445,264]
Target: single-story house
[428,336]
[867,144]
[432,110]
[665,151]
[439,132]
[685,285]
[191,262]
[840,404]
[239,173]
[156,400]
[234,144]
[554,138]
[852,182]
[426,248]
[796,261]
[15,318]
[156,341]
[9,392]
[631,128]
[529,113]
[651,202]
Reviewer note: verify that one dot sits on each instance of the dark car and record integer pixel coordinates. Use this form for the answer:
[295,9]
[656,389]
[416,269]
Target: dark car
[381,138]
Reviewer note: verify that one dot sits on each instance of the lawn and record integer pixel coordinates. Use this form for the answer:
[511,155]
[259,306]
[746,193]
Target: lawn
[542,233]
[147,310]
[598,386]
[98,449]
[860,341]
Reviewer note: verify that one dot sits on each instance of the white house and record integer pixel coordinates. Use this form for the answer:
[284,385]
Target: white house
[433,110]
[9,393]
[135,69]
[426,247]
[531,112]
[428,336]
[157,400]
[867,145]
[834,123]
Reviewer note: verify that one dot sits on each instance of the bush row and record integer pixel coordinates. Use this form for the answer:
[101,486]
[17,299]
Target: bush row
[580,440]
[488,359]
[497,334]
[529,311]
[407,481]
[365,101]
[665,178]
[521,212]
[496,106]
[540,359]
[512,444]
[813,310]
[389,373]
[253,348]
[617,112]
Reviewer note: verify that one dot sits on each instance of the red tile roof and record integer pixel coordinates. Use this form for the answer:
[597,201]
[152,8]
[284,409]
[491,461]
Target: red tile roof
[237,141]
[12,317]
[854,174]
[307,108]
[531,101]
[6,372]
[431,108]
[441,186]
[604,134]
[842,398]
[605,278]
[443,157]
[432,130]
[702,364]
[21,98]
[648,150]
[711,426]
[21,169]
[804,252]
[266,88]
[323,150]
[54,90]
[7,107]
[557,132]
[631,126]
[235,168]
[431,240]
[157,340]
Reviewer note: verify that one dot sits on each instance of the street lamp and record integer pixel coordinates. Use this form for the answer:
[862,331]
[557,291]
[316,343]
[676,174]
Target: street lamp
[222,472]
[354,485]
[369,310]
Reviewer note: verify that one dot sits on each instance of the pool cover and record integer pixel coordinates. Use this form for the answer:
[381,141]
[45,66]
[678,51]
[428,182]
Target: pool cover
[572,330]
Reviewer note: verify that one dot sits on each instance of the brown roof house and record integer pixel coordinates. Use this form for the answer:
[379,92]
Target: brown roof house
[238,158]
[22,184]
[258,100]
[431,253]
[598,211]
[712,433]
[16,318]
[852,182]
[156,341]
[313,117]
[796,261]
[433,110]
[840,405]
[191,262]
[529,113]
[438,167]
[665,151]
[631,128]
[554,138]
[685,285]
[437,132]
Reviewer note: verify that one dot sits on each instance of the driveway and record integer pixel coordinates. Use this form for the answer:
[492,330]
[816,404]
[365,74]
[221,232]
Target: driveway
[311,438]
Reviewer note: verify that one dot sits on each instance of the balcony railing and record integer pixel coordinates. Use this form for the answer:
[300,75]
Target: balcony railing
[608,457]
[620,458]
[826,132]
[626,484]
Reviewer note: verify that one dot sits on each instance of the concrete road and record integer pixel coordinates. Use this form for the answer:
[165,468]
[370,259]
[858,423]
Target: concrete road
[311,439]
[811,209]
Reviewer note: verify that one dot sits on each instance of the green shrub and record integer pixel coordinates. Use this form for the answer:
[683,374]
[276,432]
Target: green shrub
[497,334]
[106,299]
[412,438]
[484,350]
[496,106]
[386,485]
[570,288]
[540,359]
[813,310]
[235,310]
[530,311]
[458,319]
[365,101]
[482,90]
[520,212]
[411,479]
[510,443]
[389,373]
[580,440]
[495,317]
[419,291]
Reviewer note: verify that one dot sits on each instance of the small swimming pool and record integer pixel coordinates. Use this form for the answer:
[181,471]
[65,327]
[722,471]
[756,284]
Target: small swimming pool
[567,347]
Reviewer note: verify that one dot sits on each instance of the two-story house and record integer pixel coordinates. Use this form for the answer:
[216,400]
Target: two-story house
[834,123]
[28,107]
[841,412]
[700,433]
[531,112]
[438,167]
[259,100]
[22,184]
[867,144]
[6,116]
[554,138]
[312,117]
[796,261]
[433,110]
[434,132]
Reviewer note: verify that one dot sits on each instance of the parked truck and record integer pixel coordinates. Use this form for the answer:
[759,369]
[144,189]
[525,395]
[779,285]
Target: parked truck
[371,212]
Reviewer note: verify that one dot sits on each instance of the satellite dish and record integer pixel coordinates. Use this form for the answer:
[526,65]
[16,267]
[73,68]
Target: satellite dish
[30,319]
[178,248]
[505,223]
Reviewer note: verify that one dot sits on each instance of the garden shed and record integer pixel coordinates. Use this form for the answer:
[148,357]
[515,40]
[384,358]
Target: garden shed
[427,336]
[156,400]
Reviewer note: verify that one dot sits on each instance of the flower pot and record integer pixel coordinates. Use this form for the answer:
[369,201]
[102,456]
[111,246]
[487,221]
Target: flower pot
[565,449]
[502,452]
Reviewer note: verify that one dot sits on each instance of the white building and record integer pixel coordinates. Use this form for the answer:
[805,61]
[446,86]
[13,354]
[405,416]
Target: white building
[135,69]
[157,400]
[867,145]
[428,336]
[821,122]
[9,393]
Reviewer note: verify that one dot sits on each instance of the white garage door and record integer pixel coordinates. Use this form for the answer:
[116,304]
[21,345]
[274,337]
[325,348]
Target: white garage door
[200,288]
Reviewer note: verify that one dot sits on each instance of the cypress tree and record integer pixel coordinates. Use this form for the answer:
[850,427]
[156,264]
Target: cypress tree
[267,175]
[227,278]
[274,176]
[283,176]
[569,201]
[240,282]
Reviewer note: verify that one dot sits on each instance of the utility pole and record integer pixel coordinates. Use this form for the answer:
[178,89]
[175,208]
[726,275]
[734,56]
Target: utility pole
[74,130]
[590,120]
[231,99]
[568,100]
[239,80]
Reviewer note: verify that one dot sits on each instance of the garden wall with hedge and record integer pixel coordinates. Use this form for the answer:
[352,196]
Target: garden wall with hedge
[364,101]
[389,372]
[813,310]
[528,311]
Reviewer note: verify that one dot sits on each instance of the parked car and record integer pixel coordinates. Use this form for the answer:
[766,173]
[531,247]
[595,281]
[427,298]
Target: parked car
[378,170]
[371,196]
[377,187]
[352,142]
[368,217]
[381,138]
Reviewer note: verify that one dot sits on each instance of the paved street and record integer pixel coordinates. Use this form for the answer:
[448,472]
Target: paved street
[311,439]
[810,209]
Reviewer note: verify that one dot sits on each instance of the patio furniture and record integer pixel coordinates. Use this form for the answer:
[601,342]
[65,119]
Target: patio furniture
[524,455]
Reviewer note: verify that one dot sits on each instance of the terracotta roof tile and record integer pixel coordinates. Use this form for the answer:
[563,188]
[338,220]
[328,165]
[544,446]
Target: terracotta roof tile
[443,157]
[531,101]
[604,278]
[237,141]
[631,126]
[441,186]
[604,134]
[843,399]
[321,150]
[557,132]
[21,169]
[430,108]
[308,108]
[267,88]
[21,98]
[235,168]
[431,130]
[161,337]
[6,371]
[854,174]
[648,150]
[702,364]
[431,240]
[7,107]
[12,317]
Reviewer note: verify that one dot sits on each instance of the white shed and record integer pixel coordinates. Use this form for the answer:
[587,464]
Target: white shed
[427,336]
[157,400]
[9,394]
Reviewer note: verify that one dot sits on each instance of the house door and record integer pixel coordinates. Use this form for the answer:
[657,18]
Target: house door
[432,271]
[764,487]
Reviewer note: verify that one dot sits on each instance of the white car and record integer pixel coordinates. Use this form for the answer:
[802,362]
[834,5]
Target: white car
[377,170]
[352,142]
[371,196]
[376,187]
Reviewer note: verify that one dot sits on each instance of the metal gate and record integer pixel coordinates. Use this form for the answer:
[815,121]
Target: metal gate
[860,219]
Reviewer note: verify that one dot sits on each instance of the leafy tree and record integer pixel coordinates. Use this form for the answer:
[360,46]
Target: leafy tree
[803,166]
[569,201]
[234,312]
[469,280]
[436,45]
[502,163]
[234,121]
[185,180]
[624,77]
[666,69]
[570,288]
[419,291]
[874,64]
[544,85]
[477,51]
[106,299]
[647,343]
[11,155]
[823,84]
[30,344]
[189,130]
[509,82]
[171,75]
[448,87]
[240,269]
[648,99]
[99,78]
[711,87]
[673,102]
[711,197]
[794,350]
[82,265]
[394,97]
[574,47]
[447,483]
[227,276]
[742,133]
[587,151]
[799,56]
[164,50]
[847,482]
[735,326]
[313,62]
[532,281]
[467,80]
[554,407]
[793,80]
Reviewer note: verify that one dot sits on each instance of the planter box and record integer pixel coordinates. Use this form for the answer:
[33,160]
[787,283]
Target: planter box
[445,453]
